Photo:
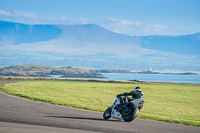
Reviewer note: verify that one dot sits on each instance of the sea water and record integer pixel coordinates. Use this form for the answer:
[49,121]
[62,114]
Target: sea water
[148,77]
[154,77]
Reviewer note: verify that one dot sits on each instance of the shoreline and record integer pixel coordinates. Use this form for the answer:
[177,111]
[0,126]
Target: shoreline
[16,78]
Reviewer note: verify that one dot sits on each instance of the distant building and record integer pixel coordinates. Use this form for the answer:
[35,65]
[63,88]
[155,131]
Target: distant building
[150,71]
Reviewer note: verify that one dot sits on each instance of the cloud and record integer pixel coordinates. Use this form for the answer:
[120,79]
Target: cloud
[5,13]
[133,28]
[18,14]
[30,15]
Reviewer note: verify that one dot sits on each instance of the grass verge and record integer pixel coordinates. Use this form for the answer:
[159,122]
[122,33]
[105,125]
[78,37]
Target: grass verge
[174,103]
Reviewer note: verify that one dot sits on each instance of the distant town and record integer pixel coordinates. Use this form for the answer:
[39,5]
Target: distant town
[150,71]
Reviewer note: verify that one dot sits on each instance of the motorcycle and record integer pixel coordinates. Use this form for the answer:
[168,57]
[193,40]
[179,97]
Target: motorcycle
[127,111]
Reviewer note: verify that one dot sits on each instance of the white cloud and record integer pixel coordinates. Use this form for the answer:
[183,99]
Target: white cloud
[18,14]
[5,13]
[133,28]
[120,21]
[30,15]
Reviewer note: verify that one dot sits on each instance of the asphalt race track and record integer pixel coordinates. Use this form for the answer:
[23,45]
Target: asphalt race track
[23,116]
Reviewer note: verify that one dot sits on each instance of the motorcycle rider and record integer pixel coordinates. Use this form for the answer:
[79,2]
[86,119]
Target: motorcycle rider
[124,107]
[136,94]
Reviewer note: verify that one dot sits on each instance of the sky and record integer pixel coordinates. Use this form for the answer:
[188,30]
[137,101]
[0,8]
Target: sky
[130,17]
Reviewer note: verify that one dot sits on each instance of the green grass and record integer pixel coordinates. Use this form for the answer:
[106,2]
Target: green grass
[174,103]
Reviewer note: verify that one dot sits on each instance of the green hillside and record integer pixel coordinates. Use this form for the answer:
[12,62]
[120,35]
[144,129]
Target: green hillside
[45,71]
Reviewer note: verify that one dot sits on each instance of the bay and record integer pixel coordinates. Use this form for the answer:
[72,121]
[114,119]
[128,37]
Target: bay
[154,77]
[195,79]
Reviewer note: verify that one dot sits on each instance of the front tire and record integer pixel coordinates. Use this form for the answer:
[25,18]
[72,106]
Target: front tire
[107,113]
[132,115]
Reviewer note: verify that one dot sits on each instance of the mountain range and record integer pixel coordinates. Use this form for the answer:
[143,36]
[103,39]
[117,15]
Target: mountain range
[92,46]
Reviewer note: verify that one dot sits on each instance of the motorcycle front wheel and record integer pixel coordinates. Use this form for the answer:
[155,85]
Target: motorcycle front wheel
[107,113]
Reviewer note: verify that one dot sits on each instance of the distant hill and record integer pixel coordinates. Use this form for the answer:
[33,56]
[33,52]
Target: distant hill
[91,38]
[70,39]
[16,33]
[184,44]
[45,71]
[90,34]
[92,46]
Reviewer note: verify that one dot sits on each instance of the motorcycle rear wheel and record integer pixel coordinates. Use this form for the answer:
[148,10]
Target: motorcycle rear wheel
[107,113]
[132,115]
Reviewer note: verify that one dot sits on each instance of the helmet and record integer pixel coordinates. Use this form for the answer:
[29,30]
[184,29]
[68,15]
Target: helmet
[137,89]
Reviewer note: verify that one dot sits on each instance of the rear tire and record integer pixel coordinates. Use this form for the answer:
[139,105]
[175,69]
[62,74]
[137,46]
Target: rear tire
[107,113]
[132,115]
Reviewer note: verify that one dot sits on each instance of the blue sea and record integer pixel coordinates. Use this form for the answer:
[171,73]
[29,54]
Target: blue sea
[154,77]
[195,79]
